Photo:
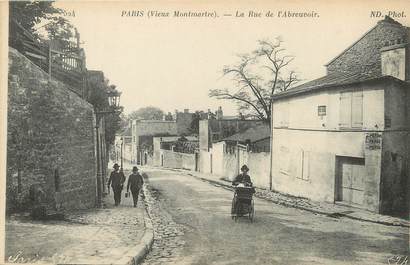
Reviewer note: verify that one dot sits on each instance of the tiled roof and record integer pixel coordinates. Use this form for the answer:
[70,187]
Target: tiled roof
[333,80]
[253,134]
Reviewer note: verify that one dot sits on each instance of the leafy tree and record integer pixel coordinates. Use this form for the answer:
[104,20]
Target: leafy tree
[28,14]
[147,113]
[43,21]
[194,126]
[63,31]
[97,96]
[257,77]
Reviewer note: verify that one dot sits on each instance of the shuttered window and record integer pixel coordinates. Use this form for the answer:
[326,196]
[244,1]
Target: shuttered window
[351,109]
[357,109]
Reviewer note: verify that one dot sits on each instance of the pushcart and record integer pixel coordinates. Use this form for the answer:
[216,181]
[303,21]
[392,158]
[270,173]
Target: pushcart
[242,203]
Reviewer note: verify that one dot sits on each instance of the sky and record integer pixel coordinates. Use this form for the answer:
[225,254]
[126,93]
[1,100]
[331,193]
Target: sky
[172,62]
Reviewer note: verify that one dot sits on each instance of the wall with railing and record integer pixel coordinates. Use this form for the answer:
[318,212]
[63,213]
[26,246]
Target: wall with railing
[65,64]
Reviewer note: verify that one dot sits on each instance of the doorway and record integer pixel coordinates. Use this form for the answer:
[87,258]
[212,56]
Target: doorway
[349,182]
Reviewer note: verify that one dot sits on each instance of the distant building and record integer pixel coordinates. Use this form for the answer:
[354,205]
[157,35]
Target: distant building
[344,137]
[143,131]
[250,147]
[165,154]
[256,138]
[212,131]
[184,122]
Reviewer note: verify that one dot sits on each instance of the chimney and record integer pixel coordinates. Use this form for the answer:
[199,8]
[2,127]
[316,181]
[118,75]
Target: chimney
[393,58]
[219,114]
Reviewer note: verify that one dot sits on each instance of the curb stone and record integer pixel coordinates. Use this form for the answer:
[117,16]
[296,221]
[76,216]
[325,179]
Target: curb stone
[401,223]
[228,187]
[136,254]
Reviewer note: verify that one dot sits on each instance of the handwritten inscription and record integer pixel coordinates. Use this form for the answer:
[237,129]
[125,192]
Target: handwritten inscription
[398,260]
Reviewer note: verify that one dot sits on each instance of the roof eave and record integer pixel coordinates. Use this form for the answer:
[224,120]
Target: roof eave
[318,88]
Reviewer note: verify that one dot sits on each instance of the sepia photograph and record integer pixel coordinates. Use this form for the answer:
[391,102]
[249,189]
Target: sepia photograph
[205,132]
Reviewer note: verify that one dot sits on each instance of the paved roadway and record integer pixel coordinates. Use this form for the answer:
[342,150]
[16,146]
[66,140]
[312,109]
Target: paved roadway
[279,235]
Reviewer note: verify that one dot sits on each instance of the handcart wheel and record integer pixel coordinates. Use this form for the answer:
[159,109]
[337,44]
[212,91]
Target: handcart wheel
[252,212]
[236,212]
[232,209]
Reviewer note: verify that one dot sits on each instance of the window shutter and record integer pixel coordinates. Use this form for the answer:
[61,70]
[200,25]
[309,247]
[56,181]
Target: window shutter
[345,109]
[357,109]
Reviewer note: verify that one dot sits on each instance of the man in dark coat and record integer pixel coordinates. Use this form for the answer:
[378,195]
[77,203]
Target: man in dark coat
[116,180]
[135,182]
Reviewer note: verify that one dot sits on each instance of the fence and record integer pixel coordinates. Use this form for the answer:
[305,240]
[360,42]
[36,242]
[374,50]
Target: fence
[64,64]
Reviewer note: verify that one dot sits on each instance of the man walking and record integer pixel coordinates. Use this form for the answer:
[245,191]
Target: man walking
[135,182]
[116,180]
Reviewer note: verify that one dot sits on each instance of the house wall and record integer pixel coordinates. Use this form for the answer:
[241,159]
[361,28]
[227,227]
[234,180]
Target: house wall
[302,111]
[211,131]
[156,157]
[178,160]
[50,140]
[205,161]
[259,164]
[157,151]
[218,158]
[307,147]
[365,56]
[226,164]
[396,159]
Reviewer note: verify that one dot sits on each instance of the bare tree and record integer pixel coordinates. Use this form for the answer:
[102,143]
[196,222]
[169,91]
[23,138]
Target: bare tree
[258,76]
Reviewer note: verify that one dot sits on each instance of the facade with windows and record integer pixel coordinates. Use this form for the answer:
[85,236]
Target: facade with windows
[345,137]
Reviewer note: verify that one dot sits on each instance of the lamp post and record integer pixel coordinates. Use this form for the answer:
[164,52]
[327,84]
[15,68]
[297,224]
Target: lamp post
[113,102]
[122,146]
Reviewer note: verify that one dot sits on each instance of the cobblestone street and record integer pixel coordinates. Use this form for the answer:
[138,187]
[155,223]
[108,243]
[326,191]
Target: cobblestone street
[193,226]
[168,235]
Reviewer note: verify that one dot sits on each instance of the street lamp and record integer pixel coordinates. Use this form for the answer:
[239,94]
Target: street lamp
[122,146]
[114,107]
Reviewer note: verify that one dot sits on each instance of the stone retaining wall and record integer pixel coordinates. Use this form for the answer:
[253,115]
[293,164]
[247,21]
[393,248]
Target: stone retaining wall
[50,140]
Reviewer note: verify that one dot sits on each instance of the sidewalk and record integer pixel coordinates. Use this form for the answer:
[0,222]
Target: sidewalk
[113,235]
[324,208]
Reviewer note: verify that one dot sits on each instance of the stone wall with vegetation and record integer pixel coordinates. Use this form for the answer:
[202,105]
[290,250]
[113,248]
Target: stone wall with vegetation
[50,144]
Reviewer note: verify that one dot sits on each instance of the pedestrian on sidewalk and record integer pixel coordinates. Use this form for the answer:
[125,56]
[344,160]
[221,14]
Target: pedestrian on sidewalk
[135,182]
[116,180]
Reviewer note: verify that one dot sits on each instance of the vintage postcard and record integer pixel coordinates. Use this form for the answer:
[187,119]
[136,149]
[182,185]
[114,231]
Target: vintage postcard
[193,132]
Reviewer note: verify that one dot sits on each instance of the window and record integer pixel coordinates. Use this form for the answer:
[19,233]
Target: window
[351,109]
[284,160]
[321,111]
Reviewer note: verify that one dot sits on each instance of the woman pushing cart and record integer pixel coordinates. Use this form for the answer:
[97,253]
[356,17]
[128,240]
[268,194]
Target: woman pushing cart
[242,202]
